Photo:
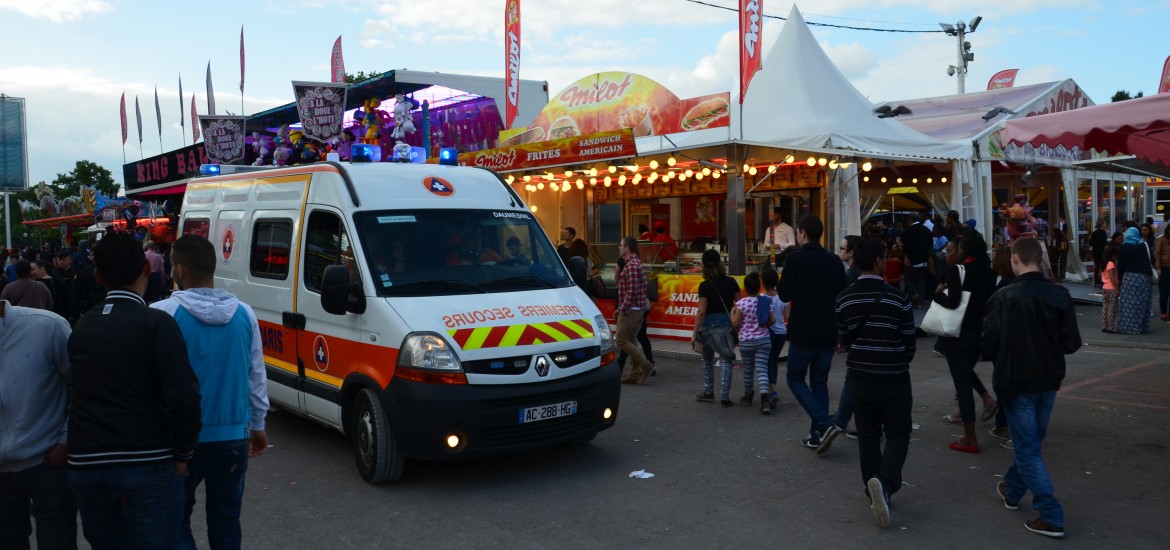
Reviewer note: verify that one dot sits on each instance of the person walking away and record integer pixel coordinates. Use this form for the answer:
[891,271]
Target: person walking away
[1134,269]
[844,412]
[643,337]
[34,368]
[812,279]
[25,291]
[778,332]
[875,323]
[755,345]
[972,274]
[1097,241]
[223,346]
[631,307]
[1162,264]
[1030,326]
[134,409]
[917,243]
[154,286]
[717,292]
[1110,287]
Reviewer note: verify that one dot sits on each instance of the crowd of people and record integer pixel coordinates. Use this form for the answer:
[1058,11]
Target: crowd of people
[124,439]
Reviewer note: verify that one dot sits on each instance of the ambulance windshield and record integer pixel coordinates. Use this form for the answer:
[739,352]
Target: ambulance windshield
[445,252]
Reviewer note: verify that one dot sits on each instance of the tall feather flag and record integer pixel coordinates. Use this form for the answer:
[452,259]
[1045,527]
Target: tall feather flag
[138,117]
[124,129]
[194,121]
[158,116]
[241,61]
[210,92]
[182,113]
[337,63]
[751,23]
[1164,85]
[511,61]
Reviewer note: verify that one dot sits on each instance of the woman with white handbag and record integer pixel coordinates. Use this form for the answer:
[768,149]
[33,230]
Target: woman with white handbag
[960,302]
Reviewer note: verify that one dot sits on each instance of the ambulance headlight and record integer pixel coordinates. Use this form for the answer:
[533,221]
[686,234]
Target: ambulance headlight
[428,351]
[604,335]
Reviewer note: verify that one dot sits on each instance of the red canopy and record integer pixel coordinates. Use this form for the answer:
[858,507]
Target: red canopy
[1139,127]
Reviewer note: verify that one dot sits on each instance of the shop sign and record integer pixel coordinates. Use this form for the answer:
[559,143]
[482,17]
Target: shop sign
[223,138]
[167,167]
[559,152]
[321,106]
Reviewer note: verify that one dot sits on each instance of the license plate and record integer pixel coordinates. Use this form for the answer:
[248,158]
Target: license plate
[546,412]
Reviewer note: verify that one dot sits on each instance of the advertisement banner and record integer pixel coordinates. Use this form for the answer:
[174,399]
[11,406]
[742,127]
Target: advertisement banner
[167,167]
[321,106]
[124,128]
[571,150]
[673,314]
[223,138]
[1164,85]
[337,62]
[700,216]
[615,100]
[751,21]
[1002,79]
[512,61]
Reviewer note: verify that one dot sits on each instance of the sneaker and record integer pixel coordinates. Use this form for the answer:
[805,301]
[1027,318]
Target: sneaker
[746,400]
[851,435]
[774,401]
[1007,445]
[726,403]
[765,408]
[1002,433]
[878,503]
[1041,527]
[705,397]
[1001,488]
[831,433]
[812,441]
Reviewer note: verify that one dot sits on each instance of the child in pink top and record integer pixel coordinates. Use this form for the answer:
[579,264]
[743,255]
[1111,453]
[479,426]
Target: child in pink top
[1110,291]
[755,342]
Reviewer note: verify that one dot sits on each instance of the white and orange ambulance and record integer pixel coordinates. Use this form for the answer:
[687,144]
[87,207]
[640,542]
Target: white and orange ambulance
[417,308]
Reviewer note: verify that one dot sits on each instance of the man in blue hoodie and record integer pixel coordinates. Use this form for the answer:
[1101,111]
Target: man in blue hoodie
[223,345]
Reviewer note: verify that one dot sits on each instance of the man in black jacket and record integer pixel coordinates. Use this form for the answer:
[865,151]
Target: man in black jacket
[875,322]
[1030,326]
[810,283]
[134,416]
[917,244]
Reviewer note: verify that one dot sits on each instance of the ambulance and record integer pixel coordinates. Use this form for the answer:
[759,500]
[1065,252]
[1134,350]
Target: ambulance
[417,308]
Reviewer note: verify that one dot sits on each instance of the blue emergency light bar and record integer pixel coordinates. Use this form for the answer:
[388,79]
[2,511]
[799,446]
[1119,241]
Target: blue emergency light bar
[209,169]
[362,152]
[449,156]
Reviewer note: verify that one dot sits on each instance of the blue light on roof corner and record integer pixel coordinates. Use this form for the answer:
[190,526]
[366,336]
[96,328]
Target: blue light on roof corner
[449,156]
[209,169]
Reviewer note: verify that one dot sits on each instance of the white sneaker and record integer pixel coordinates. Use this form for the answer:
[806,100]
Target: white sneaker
[879,504]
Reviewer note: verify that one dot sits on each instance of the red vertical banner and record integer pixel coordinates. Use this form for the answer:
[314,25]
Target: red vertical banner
[241,59]
[124,128]
[1164,85]
[1003,79]
[751,22]
[337,63]
[512,61]
[194,121]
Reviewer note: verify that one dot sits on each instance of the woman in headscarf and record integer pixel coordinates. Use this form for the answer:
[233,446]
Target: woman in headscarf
[1134,269]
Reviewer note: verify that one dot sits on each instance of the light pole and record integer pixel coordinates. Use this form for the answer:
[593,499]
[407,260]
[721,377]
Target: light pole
[960,30]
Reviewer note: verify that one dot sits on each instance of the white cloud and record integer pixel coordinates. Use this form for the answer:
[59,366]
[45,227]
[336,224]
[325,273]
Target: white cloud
[57,11]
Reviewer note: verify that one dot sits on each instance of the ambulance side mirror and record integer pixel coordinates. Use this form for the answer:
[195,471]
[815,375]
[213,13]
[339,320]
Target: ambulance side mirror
[338,295]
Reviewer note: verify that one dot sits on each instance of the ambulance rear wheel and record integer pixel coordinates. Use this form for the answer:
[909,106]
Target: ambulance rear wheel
[374,448]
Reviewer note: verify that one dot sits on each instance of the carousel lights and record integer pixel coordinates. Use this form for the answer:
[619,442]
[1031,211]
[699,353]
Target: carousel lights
[812,161]
[671,161]
[653,165]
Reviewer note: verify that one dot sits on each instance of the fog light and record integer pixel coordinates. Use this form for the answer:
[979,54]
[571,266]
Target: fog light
[453,441]
[607,413]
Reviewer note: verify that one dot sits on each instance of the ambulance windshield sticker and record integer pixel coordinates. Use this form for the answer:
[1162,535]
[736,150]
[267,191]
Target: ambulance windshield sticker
[228,244]
[515,215]
[386,281]
[438,186]
[321,353]
[396,219]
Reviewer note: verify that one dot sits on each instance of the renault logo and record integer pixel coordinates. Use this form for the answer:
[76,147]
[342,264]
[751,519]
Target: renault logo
[541,367]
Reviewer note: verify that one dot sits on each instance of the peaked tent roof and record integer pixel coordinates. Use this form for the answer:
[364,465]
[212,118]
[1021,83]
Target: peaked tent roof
[800,100]
[960,117]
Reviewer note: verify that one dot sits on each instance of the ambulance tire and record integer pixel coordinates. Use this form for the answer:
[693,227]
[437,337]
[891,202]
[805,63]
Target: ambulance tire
[374,448]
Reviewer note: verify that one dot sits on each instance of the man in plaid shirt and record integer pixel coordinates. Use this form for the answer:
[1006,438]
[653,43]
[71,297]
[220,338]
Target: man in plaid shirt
[631,306]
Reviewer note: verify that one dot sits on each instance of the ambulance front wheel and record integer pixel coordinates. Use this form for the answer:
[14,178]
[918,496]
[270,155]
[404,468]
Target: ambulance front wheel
[374,449]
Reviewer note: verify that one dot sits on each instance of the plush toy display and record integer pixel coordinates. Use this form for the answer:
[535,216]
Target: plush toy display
[1018,219]
[403,123]
[372,121]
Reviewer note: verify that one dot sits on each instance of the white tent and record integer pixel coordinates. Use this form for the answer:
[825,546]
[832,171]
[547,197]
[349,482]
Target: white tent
[801,101]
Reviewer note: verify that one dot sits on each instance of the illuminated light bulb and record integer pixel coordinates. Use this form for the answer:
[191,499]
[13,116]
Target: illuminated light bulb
[653,165]
[670,161]
[747,167]
[580,185]
[613,169]
[510,179]
[592,171]
[607,184]
[914,180]
[866,178]
[621,184]
[706,171]
[608,180]
[637,178]
[671,175]
[527,177]
[943,179]
[929,180]
[565,186]
[682,176]
[822,161]
[593,181]
[689,172]
[866,166]
[753,171]
[716,174]
[812,161]
[568,173]
[789,159]
[540,186]
[699,176]
[833,164]
[883,179]
[633,167]
[622,179]
[581,182]
[533,208]
[550,176]
[899,180]
[772,169]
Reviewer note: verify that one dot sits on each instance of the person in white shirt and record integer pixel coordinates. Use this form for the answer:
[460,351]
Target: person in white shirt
[779,235]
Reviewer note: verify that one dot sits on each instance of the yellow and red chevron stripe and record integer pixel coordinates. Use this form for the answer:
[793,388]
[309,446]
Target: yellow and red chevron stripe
[506,336]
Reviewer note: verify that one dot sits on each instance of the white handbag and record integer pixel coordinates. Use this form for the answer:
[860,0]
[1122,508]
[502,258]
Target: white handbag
[941,321]
[1153,270]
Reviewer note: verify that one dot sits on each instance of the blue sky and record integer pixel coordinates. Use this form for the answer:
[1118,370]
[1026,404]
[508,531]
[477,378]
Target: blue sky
[72,59]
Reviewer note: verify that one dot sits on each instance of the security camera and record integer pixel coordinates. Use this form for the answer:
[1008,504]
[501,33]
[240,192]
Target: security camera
[951,70]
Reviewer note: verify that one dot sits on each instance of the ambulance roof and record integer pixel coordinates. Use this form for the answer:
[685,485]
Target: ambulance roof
[394,186]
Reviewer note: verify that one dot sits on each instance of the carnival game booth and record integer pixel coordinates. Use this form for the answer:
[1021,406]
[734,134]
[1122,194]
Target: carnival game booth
[709,168]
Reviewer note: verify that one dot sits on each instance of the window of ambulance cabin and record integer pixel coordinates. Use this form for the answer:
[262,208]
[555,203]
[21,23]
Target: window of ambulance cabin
[196,226]
[328,244]
[271,243]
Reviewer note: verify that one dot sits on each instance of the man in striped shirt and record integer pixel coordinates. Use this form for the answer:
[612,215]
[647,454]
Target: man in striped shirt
[875,322]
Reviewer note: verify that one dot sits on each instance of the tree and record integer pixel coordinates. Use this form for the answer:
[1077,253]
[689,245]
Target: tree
[1123,95]
[84,173]
[360,76]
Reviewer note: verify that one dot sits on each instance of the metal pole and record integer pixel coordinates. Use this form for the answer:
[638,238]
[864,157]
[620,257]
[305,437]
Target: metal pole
[961,67]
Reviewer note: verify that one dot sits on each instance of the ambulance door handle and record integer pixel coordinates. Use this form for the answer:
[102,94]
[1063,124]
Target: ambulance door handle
[295,321]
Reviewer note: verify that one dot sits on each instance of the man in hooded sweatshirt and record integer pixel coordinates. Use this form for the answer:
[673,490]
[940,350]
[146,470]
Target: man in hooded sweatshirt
[223,345]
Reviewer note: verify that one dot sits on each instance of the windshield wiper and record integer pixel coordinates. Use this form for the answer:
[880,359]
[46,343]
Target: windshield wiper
[438,284]
[520,280]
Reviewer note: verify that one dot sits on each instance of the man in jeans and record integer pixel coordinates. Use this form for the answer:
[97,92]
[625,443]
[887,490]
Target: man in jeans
[223,343]
[134,409]
[810,283]
[631,306]
[1029,327]
[875,322]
